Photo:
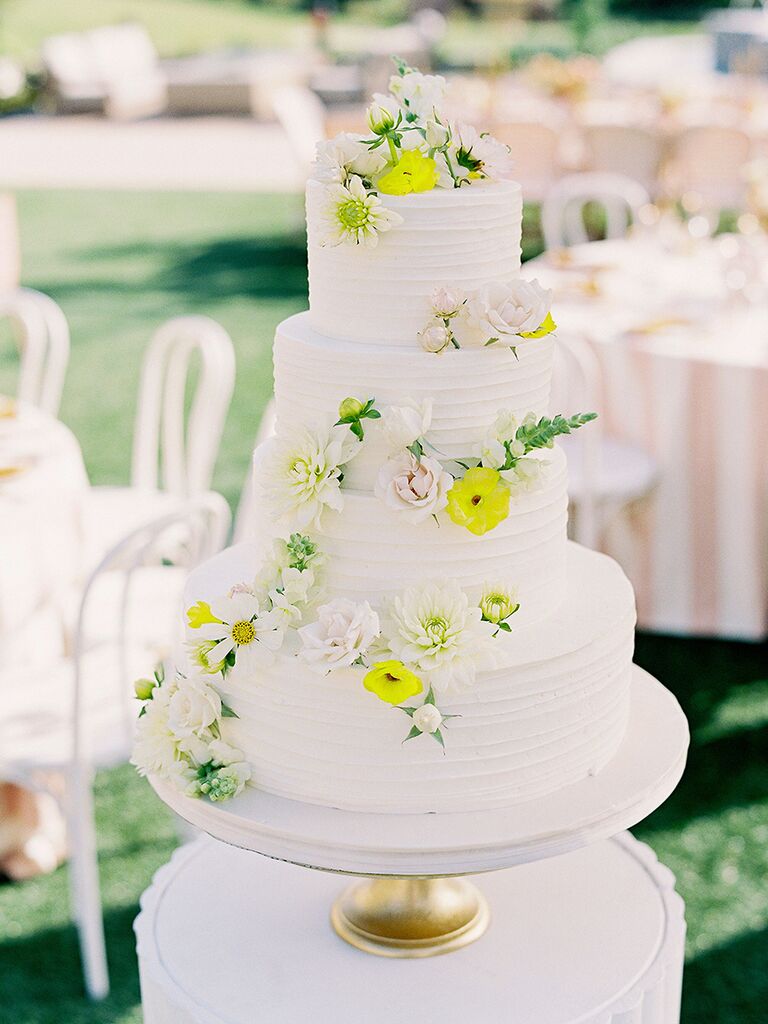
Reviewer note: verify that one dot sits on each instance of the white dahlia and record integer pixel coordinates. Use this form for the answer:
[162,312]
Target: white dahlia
[435,629]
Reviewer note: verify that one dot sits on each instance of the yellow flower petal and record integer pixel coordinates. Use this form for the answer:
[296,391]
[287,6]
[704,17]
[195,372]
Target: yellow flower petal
[200,614]
[392,682]
[413,172]
[480,501]
[545,327]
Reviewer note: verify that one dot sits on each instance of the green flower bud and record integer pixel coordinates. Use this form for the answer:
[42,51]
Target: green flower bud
[350,408]
[380,120]
[143,688]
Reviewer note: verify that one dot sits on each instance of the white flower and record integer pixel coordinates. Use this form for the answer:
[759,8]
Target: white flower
[301,473]
[435,630]
[351,214]
[194,706]
[479,156]
[229,781]
[427,718]
[222,753]
[293,592]
[382,114]
[498,602]
[435,337]
[404,424]
[436,134]
[252,633]
[343,633]
[491,450]
[345,155]
[155,751]
[417,488]
[419,94]
[525,476]
[502,312]
[446,302]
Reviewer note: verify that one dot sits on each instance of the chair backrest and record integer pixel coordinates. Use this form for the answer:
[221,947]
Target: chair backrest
[576,384]
[122,51]
[43,340]
[710,159]
[535,148]
[301,114]
[171,449]
[245,525]
[562,212]
[10,252]
[194,532]
[634,151]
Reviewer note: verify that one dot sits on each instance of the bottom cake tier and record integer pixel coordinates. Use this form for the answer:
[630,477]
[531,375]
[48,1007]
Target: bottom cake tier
[555,714]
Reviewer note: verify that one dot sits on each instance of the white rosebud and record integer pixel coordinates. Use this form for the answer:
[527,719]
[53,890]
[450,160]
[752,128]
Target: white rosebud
[404,424]
[436,134]
[427,718]
[379,118]
[446,302]
[435,337]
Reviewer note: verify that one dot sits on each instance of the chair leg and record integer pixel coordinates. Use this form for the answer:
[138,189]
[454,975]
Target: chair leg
[84,884]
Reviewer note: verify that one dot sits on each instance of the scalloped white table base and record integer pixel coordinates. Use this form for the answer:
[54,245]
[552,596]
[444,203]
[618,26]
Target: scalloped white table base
[594,937]
[640,777]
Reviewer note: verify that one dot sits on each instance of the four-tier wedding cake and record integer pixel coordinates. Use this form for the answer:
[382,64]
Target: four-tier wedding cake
[411,631]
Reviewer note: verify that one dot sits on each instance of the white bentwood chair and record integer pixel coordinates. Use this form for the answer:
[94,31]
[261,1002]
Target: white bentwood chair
[536,146]
[562,212]
[633,150]
[42,336]
[77,713]
[708,160]
[174,454]
[606,475]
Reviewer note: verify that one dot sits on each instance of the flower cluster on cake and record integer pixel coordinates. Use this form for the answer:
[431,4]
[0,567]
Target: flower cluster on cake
[411,630]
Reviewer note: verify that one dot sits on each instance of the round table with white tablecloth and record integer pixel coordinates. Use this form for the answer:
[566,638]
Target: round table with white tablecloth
[684,358]
[42,486]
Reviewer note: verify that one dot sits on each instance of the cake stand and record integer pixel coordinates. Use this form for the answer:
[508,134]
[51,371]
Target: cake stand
[593,937]
[413,904]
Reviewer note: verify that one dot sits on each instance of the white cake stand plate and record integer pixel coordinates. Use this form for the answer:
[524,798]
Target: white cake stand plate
[595,937]
[640,777]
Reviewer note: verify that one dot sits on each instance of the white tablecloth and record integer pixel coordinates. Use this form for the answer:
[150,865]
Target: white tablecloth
[685,375]
[42,486]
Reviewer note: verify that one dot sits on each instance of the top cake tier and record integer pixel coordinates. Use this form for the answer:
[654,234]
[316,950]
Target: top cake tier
[458,238]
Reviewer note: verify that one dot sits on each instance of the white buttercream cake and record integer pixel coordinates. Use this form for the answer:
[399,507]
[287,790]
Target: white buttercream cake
[427,640]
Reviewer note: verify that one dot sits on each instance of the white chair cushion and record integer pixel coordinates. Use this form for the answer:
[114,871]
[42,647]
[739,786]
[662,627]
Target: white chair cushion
[626,472]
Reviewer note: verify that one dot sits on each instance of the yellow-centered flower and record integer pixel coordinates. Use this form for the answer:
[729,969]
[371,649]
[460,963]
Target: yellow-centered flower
[480,501]
[392,682]
[413,172]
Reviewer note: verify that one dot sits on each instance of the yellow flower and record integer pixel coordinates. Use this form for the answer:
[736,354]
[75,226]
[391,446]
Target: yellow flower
[392,682]
[413,172]
[545,327]
[480,501]
[200,614]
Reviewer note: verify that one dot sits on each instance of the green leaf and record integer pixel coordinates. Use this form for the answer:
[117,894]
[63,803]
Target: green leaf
[416,448]
[505,626]
[230,658]
[491,341]
[372,414]
[357,429]
[412,734]
[409,711]
[227,712]
[437,734]
[430,698]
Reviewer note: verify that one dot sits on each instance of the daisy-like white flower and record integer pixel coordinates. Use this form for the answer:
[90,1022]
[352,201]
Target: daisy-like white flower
[435,629]
[302,472]
[479,156]
[246,636]
[352,214]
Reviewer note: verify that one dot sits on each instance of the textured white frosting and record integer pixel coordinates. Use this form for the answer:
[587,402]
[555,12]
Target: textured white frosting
[313,374]
[372,551]
[554,715]
[464,238]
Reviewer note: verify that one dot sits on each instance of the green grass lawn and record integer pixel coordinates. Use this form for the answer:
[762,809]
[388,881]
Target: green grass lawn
[119,264]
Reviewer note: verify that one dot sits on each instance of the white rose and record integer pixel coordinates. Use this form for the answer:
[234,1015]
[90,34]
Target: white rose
[416,487]
[343,633]
[403,424]
[193,707]
[505,311]
[435,337]
[418,93]
[427,718]
[446,302]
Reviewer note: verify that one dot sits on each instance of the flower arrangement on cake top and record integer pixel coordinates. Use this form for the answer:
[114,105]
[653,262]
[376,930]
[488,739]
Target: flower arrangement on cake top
[412,146]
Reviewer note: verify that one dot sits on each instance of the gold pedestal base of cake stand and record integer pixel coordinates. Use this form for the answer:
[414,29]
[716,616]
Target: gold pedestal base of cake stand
[410,917]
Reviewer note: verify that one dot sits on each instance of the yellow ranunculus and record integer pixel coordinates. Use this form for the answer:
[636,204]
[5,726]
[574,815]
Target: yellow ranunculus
[413,172]
[545,327]
[200,614]
[480,501]
[392,682]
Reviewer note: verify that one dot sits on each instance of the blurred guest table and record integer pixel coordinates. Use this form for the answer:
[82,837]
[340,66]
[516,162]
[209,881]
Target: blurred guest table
[681,331]
[42,487]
